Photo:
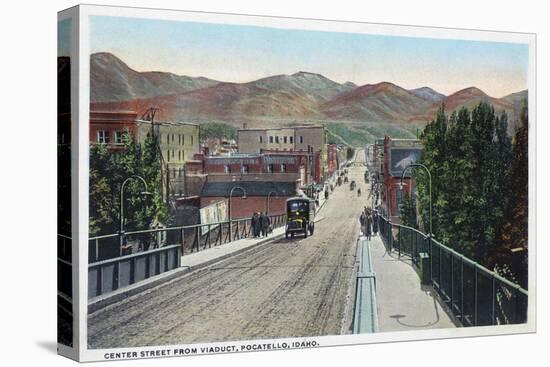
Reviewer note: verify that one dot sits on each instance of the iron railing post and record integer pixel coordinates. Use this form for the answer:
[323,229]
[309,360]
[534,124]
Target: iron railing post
[451,278]
[475,294]
[182,242]
[493,302]
[462,289]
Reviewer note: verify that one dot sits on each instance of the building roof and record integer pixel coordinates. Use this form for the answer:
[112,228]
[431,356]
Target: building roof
[173,123]
[282,128]
[255,188]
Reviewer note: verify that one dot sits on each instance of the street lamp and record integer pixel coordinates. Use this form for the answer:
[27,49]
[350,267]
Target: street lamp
[145,192]
[229,205]
[267,201]
[401,184]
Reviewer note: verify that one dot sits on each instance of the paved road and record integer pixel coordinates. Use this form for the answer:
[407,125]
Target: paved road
[288,288]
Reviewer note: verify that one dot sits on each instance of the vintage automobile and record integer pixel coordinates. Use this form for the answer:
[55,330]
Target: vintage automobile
[300,213]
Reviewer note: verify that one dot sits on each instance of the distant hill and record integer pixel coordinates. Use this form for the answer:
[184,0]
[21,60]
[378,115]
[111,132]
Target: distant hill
[428,94]
[112,80]
[279,99]
[517,97]
[377,102]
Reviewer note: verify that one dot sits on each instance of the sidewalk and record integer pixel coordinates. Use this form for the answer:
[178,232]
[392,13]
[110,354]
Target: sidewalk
[403,304]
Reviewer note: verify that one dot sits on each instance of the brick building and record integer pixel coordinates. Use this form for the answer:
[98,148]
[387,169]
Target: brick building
[310,139]
[178,142]
[108,127]
[398,155]
[261,196]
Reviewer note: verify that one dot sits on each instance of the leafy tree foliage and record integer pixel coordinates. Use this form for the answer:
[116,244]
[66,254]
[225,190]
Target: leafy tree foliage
[108,170]
[510,259]
[469,155]
[217,130]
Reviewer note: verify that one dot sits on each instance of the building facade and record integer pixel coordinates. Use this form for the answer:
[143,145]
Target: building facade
[109,127]
[398,155]
[309,139]
[178,143]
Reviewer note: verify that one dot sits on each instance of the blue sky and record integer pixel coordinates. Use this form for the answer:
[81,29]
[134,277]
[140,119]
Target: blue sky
[244,53]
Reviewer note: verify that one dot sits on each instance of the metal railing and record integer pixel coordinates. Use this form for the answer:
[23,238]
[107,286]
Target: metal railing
[475,295]
[109,275]
[191,238]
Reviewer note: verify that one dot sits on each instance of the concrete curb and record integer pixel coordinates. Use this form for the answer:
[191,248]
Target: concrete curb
[105,300]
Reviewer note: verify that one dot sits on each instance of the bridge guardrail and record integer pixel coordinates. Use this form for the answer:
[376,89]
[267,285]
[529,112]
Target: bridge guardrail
[475,295]
[191,238]
[365,314]
[112,274]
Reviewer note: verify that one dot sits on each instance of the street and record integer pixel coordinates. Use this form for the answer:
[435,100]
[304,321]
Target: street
[287,288]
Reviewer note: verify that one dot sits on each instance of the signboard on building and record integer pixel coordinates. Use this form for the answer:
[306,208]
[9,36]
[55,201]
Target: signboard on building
[401,158]
[213,213]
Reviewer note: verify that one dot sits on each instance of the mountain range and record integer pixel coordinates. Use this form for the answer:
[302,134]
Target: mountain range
[300,97]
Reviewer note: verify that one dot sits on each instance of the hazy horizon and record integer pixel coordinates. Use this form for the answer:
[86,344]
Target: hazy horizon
[236,53]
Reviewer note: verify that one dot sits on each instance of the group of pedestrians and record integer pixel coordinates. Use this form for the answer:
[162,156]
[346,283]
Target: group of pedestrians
[369,222]
[261,225]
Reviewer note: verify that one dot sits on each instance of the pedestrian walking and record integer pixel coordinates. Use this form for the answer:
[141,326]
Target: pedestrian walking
[368,226]
[375,222]
[256,225]
[265,222]
[363,221]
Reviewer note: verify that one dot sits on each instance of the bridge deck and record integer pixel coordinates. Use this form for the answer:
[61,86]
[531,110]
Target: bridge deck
[403,304]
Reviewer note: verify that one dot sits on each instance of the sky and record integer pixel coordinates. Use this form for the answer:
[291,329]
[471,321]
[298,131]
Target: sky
[236,53]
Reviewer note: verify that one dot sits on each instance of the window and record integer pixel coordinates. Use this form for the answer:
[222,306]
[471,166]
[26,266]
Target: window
[283,168]
[260,139]
[167,139]
[301,140]
[284,139]
[277,139]
[118,137]
[179,155]
[168,156]
[102,137]
[182,139]
[271,140]
[227,169]
[192,140]
[291,139]
[172,138]
[179,139]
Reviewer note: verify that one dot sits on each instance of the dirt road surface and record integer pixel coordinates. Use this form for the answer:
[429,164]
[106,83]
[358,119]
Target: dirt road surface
[287,288]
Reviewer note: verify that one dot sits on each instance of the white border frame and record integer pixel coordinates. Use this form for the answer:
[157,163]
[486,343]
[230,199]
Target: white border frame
[82,190]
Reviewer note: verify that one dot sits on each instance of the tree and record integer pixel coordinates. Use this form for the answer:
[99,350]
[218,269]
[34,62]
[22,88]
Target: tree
[217,130]
[510,258]
[468,155]
[108,170]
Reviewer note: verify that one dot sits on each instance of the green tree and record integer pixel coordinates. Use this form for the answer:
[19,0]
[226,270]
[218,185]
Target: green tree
[108,170]
[468,155]
[217,130]
[510,258]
